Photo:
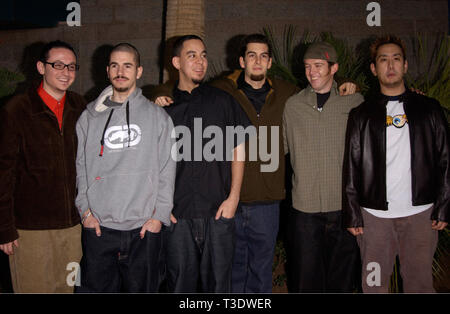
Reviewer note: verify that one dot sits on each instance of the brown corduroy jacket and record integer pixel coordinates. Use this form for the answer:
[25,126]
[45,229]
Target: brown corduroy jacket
[37,165]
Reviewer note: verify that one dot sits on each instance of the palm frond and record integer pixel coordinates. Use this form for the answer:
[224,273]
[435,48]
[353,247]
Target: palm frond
[433,66]
[9,81]
[350,63]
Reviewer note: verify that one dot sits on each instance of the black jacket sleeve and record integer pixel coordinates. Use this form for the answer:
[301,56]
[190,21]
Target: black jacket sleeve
[441,209]
[351,210]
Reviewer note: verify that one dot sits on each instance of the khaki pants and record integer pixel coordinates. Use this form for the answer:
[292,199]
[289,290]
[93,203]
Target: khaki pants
[39,264]
[411,238]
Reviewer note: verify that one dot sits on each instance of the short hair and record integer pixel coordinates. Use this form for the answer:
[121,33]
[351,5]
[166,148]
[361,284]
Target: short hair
[55,44]
[127,47]
[254,38]
[384,40]
[178,44]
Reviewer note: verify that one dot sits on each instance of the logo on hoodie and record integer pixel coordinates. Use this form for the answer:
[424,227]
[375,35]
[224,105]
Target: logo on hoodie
[118,137]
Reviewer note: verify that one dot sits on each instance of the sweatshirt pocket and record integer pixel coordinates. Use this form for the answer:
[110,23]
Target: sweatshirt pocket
[121,197]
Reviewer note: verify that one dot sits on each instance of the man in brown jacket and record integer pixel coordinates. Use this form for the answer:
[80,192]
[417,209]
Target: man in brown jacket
[39,224]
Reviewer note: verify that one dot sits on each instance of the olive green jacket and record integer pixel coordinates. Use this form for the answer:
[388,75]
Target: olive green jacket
[316,142]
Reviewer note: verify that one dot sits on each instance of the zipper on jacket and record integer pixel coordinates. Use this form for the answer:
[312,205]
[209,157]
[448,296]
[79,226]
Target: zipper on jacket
[411,147]
[66,187]
[385,157]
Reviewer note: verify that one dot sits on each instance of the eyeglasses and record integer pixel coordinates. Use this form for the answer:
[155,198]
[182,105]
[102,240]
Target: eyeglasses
[60,66]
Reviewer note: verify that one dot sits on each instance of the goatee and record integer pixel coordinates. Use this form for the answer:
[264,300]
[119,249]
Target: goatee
[257,78]
[121,89]
[197,82]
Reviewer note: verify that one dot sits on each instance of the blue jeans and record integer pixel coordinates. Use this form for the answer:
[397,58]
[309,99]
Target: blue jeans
[199,255]
[119,261]
[256,236]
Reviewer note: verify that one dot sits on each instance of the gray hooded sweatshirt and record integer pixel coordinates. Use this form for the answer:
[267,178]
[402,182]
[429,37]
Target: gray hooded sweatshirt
[131,177]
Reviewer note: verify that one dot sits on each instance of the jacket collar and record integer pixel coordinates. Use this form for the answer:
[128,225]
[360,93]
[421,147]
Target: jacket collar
[382,99]
[311,95]
[38,106]
[333,92]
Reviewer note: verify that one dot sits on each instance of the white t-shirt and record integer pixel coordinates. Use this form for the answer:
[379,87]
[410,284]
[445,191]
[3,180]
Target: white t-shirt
[398,165]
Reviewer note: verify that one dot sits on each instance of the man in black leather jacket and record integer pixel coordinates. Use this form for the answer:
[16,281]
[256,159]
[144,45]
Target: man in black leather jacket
[396,176]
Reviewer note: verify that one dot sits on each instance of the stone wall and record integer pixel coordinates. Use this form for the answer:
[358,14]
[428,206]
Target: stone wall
[345,19]
[104,23]
[107,22]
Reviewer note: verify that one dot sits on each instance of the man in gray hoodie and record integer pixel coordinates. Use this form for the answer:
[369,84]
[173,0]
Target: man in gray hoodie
[125,181]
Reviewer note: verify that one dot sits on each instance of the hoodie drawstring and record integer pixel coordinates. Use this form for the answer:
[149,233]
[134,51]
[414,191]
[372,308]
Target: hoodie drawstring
[102,140]
[127,109]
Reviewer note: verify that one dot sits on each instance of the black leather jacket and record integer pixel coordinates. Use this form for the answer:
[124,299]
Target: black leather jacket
[364,170]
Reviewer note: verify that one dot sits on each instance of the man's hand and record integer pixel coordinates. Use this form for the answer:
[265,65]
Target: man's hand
[228,208]
[356,231]
[347,88]
[417,91]
[163,101]
[438,225]
[151,225]
[173,219]
[8,248]
[92,223]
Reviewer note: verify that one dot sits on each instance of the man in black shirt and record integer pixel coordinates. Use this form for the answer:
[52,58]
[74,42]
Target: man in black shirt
[199,244]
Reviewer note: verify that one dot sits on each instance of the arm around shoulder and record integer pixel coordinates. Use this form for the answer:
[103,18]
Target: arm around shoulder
[165,89]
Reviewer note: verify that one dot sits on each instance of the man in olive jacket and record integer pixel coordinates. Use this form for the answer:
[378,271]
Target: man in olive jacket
[39,223]
[321,255]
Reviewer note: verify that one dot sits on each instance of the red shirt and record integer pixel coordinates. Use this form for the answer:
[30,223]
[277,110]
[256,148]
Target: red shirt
[57,106]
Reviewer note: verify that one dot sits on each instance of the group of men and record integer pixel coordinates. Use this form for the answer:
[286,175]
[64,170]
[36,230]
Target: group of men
[112,184]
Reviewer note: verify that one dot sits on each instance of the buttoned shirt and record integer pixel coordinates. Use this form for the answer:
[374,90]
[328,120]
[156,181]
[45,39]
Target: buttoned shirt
[202,184]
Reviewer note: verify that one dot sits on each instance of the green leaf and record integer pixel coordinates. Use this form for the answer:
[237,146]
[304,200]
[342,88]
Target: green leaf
[9,81]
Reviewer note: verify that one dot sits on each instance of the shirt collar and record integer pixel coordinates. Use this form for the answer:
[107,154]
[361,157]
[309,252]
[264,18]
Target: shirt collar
[48,99]
[398,98]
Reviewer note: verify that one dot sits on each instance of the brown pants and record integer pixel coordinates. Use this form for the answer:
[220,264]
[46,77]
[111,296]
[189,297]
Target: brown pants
[411,238]
[39,264]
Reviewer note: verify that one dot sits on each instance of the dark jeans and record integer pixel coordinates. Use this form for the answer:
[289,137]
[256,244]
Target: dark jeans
[321,255]
[256,236]
[199,255]
[119,261]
